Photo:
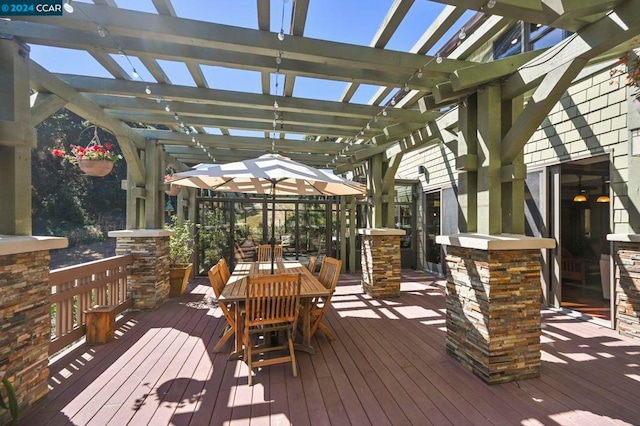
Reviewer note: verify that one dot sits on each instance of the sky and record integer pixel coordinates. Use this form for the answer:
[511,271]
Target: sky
[347,21]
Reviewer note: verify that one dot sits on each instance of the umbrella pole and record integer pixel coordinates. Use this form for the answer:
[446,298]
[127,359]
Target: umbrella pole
[273,224]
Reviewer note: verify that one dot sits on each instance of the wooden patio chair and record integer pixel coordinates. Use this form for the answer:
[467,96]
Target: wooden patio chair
[312,265]
[272,304]
[328,276]
[223,266]
[264,252]
[218,284]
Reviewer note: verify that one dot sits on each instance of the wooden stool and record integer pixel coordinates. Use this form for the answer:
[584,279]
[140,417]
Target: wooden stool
[101,324]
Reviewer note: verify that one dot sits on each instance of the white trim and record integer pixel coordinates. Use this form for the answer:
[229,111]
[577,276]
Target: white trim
[14,244]
[381,231]
[496,242]
[140,233]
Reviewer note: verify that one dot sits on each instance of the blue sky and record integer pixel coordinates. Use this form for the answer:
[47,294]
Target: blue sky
[347,21]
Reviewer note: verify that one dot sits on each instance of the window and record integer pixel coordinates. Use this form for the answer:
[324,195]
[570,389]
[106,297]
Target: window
[539,36]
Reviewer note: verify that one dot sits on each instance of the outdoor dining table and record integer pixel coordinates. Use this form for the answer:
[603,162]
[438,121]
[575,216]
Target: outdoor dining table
[236,290]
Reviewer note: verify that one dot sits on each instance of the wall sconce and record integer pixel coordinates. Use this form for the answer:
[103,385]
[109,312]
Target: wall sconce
[604,198]
[422,170]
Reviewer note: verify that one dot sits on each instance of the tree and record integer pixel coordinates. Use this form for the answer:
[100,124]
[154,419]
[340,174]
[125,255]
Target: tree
[65,201]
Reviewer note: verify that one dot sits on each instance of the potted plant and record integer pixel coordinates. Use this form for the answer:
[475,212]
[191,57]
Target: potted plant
[181,247]
[95,159]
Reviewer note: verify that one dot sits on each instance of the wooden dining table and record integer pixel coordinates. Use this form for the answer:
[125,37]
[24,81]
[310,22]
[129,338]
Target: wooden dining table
[236,291]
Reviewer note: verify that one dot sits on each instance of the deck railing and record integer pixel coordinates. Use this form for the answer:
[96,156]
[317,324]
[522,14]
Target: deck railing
[75,289]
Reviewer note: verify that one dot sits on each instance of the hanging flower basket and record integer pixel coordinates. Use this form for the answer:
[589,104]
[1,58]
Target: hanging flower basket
[96,159]
[97,168]
[173,189]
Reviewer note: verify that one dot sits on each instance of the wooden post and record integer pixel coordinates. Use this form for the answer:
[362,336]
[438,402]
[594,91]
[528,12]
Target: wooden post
[466,163]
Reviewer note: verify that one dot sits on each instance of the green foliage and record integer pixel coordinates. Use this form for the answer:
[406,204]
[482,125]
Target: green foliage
[213,237]
[181,242]
[12,400]
[65,201]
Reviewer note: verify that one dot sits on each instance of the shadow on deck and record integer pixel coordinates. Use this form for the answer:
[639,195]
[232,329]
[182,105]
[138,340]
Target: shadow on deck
[387,366]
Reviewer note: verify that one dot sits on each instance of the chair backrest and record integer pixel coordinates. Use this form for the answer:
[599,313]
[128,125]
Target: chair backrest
[215,278]
[264,252]
[272,299]
[330,272]
[313,263]
[223,266]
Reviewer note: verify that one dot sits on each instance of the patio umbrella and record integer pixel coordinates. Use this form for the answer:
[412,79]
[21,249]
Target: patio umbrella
[268,174]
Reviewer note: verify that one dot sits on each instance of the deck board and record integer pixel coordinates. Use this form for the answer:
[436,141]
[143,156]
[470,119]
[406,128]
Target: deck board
[388,365]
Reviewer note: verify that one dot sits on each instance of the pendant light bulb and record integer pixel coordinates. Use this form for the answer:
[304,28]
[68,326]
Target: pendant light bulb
[102,32]
[158,100]
[406,87]
[375,119]
[167,108]
[135,74]
[68,7]
[278,59]
[275,104]
[491,4]
[147,90]
[368,126]
[281,35]
[438,59]
[384,112]
[462,35]
[175,115]
[419,73]
[393,101]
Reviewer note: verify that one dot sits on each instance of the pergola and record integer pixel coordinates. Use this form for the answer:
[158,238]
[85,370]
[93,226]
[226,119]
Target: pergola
[475,109]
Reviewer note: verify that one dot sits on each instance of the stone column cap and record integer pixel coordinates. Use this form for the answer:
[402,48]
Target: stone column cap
[495,242]
[381,231]
[140,233]
[627,238]
[14,244]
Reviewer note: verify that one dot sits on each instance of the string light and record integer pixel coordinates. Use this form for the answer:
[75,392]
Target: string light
[419,73]
[158,99]
[491,4]
[275,104]
[406,87]
[384,112]
[438,59]
[167,108]
[147,90]
[135,74]
[279,58]
[68,7]
[281,35]
[175,115]
[102,31]
[462,35]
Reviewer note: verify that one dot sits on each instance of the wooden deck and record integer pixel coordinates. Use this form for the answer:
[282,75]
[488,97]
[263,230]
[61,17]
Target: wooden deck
[388,366]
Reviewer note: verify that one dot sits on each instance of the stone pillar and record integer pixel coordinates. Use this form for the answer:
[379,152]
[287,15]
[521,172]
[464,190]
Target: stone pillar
[493,304]
[25,315]
[148,279]
[627,280]
[381,261]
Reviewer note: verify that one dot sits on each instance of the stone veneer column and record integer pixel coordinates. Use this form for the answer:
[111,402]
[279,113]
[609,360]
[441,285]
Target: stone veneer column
[493,304]
[627,280]
[148,279]
[25,315]
[381,261]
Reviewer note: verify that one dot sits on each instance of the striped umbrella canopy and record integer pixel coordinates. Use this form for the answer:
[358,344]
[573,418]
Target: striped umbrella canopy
[268,174]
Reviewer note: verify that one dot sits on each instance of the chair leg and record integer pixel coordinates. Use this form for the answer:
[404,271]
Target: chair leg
[292,353]
[327,332]
[227,334]
[248,358]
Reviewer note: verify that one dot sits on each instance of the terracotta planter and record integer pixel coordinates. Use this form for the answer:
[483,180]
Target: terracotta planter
[178,279]
[97,168]
[175,190]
